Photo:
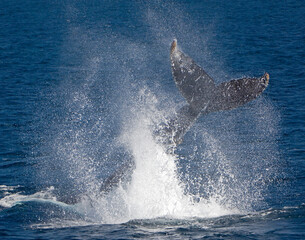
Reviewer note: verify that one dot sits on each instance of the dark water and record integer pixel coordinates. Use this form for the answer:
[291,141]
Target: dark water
[82,81]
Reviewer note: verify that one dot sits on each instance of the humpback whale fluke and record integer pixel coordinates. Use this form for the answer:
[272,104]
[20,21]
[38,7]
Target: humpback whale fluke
[203,96]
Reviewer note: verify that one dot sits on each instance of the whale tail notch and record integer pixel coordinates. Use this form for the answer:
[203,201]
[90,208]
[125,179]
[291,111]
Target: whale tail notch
[203,95]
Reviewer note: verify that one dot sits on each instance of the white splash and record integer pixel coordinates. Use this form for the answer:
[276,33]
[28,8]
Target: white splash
[155,189]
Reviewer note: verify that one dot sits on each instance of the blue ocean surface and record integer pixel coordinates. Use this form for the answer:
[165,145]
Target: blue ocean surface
[83,83]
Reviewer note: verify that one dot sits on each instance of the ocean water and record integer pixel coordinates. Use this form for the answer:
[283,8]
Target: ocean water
[84,83]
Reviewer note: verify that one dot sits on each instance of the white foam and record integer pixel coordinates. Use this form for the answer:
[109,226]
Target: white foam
[8,188]
[16,198]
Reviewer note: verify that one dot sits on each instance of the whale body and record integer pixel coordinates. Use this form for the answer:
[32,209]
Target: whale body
[202,95]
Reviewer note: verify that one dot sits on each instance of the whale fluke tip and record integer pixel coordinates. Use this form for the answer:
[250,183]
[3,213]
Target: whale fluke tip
[266,78]
[174,45]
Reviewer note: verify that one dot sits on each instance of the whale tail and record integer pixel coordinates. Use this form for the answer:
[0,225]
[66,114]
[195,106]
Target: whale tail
[203,95]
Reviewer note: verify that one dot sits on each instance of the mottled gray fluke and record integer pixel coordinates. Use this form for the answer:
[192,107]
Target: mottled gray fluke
[203,96]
